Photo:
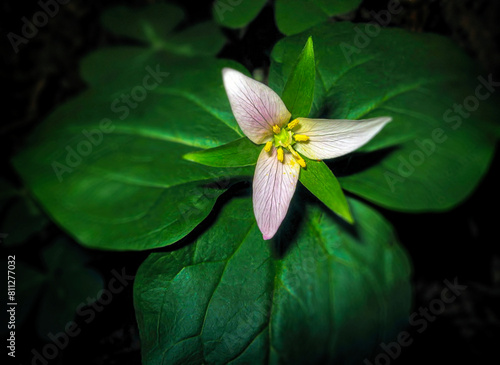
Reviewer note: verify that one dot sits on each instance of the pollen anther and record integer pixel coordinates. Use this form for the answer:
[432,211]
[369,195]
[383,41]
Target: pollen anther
[280,154]
[301,161]
[300,137]
[276,129]
[297,157]
[268,146]
[293,124]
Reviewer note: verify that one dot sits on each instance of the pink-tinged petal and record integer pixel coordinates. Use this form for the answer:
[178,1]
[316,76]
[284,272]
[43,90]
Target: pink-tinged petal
[330,138]
[273,187]
[255,106]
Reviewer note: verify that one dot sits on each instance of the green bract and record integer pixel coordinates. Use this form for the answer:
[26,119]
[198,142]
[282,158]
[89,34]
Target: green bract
[298,93]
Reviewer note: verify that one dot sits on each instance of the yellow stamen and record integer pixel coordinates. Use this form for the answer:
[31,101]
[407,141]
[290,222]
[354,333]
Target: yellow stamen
[300,137]
[276,129]
[293,124]
[300,160]
[280,155]
[297,157]
[268,146]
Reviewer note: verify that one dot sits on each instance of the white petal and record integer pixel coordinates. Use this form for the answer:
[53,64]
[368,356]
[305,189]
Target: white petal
[273,186]
[330,138]
[255,106]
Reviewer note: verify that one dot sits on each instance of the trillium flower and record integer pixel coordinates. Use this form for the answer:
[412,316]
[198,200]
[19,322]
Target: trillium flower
[264,119]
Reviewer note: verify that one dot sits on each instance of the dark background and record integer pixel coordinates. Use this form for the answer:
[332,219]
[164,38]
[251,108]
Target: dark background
[462,243]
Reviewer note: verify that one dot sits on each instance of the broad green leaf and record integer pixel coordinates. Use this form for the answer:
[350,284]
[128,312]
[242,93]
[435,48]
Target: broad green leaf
[326,295]
[298,93]
[236,13]
[200,39]
[154,24]
[150,24]
[112,174]
[430,158]
[320,180]
[106,69]
[295,16]
[241,152]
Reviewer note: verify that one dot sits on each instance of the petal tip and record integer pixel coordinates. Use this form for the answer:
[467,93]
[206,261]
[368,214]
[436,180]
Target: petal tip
[227,71]
[267,237]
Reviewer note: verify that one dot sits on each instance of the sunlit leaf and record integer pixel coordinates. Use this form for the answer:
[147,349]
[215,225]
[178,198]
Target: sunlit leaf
[230,297]
[429,157]
[295,16]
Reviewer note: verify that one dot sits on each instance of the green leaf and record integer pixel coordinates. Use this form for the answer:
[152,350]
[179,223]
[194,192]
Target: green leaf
[236,13]
[298,93]
[230,297]
[241,152]
[129,187]
[429,157]
[150,24]
[295,16]
[321,181]
[154,24]
[200,39]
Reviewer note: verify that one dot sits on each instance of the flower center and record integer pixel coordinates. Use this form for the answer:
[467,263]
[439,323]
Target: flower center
[284,138]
